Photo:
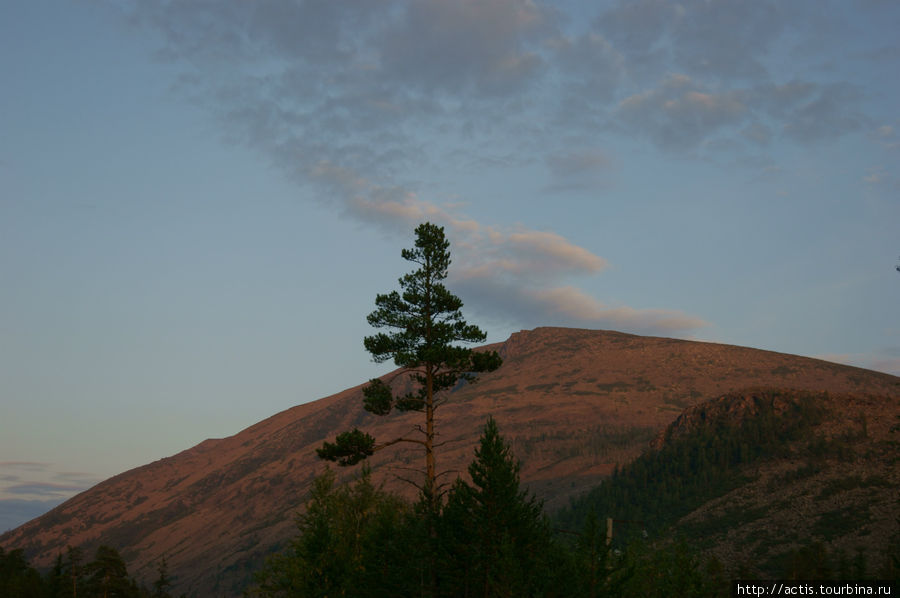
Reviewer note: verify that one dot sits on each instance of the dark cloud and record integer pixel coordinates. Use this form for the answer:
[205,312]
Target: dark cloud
[466,45]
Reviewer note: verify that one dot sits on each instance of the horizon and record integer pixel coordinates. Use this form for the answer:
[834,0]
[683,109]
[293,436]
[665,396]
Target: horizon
[198,205]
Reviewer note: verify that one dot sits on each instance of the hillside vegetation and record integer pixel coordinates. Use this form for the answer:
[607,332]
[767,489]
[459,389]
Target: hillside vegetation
[772,483]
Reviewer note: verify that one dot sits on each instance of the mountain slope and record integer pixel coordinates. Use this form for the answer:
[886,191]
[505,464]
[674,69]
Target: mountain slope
[573,403]
[775,483]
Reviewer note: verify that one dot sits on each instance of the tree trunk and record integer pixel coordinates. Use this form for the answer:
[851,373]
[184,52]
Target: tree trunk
[430,472]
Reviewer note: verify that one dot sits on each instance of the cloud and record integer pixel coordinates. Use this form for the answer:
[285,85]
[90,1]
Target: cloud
[464,46]
[592,69]
[44,489]
[510,275]
[681,113]
[24,465]
[348,99]
[362,84]
[365,105]
[518,277]
[505,302]
[828,114]
[40,481]
[726,39]
[729,38]
[514,275]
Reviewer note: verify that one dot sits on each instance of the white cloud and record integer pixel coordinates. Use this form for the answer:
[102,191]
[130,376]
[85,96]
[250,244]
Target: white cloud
[512,275]
[506,302]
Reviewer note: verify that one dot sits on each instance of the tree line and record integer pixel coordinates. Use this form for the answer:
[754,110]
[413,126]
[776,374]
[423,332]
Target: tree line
[106,576]
[661,486]
[489,538]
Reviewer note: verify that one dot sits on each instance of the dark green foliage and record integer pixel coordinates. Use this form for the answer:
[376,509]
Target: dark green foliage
[426,322]
[17,577]
[107,575]
[496,540]
[73,571]
[662,485]
[841,521]
[349,448]
[104,577]
[163,582]
[423,325]
[491,539]
[593,559]
[347,544]
[663,571]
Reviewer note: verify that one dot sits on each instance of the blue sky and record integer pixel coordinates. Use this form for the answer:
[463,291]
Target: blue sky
[199,201]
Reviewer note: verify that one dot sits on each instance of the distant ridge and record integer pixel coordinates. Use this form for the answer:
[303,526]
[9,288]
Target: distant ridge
[573,403]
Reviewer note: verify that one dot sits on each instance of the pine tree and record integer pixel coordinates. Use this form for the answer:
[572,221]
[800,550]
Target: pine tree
[163,581]
[73,571]
[423,323]
[108,575]
[347,545]
[498,539]
[17,576]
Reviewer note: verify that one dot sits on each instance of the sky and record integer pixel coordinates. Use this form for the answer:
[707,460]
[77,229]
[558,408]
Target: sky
[199,200]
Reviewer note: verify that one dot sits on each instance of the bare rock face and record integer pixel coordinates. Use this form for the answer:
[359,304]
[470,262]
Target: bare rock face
[573,404]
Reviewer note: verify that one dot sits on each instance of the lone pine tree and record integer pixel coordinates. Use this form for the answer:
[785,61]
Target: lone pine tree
[422,324]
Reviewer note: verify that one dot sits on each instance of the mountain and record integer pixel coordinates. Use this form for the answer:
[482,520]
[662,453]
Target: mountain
[573,404]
